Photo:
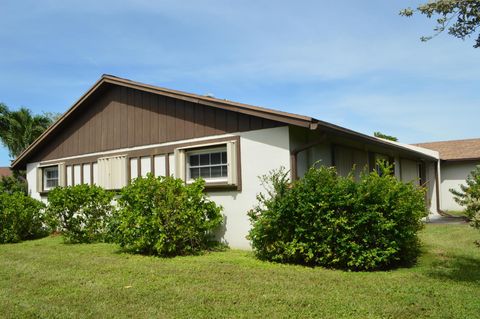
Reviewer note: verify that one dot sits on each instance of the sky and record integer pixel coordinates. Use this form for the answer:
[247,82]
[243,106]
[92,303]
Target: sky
[357,64]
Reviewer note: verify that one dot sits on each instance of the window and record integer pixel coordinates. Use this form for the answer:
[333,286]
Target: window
[422,179]
[50,177]
[218,164]
[209,164]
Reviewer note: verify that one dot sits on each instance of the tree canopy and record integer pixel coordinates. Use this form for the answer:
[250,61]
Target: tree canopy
[385,136]
[19,128]
[461,18]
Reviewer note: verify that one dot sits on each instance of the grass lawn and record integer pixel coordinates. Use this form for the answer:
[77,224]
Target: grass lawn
[456,213]
[46,278]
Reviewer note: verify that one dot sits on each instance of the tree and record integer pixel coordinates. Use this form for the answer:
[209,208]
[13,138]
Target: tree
[18,129]
[461,18]
[469,197]
[385,136]
[3,118]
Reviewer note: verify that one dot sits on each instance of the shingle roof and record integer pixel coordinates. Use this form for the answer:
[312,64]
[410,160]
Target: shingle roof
[5,171]
[457,150]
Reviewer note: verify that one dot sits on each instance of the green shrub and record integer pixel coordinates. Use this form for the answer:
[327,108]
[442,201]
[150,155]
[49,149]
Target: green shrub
[80,212]
[21,217]
[13,184]
[469,197]
[327,220]
[163,216]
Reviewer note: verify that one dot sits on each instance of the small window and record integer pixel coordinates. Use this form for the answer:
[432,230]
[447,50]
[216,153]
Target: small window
[209,164]
[50,177]
[218,164]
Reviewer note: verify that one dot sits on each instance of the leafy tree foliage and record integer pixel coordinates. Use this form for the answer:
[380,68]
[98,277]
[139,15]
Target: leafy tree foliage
[461,18]
[19,128]
[469,197]
[385,136]
[13,184]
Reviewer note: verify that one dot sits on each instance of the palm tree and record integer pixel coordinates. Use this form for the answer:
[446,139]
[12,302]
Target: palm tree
[3,119]
[20,128]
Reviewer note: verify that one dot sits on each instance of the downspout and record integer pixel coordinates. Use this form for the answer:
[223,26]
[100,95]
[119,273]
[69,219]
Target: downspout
[295,152]
[437,189]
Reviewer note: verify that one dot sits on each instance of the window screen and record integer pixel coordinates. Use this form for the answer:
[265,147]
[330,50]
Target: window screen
[50,177]
[208,164]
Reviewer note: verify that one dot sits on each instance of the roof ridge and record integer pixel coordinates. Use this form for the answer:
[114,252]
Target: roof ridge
[451,141]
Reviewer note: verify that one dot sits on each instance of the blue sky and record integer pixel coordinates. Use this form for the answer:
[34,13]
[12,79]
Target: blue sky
[357,64]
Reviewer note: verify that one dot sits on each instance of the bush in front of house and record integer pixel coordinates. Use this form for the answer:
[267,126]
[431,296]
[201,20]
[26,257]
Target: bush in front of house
[80,213]
[21,217]
[327,220]
[163,216]
[13,184]
[469,197]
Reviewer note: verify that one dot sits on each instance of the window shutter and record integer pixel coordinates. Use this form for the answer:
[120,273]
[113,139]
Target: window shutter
[179,164]
[61,175]
[39,180]
[112,172]
[232,163]
[69,175]
[160,165]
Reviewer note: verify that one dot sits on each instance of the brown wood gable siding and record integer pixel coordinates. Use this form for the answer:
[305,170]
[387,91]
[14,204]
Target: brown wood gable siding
[122,117]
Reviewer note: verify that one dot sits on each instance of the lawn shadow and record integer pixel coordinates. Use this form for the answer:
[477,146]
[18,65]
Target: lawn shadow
[459,268]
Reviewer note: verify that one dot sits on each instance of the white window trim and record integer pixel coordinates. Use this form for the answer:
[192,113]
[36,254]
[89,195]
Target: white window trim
[181,165]
[45,179]
[217,149]
[41,178]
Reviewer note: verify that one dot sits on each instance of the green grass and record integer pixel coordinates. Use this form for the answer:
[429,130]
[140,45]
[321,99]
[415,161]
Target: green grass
[46,278]
[456,213]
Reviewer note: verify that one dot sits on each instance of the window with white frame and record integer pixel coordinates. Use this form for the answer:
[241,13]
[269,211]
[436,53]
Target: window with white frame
[50,177]
[217,163]
[210,164]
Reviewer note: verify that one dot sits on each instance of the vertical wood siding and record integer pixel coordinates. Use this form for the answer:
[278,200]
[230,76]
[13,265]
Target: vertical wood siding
[121,117]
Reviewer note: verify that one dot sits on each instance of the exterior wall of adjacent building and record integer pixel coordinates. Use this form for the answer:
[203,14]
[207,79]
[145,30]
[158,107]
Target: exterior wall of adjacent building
[453,174]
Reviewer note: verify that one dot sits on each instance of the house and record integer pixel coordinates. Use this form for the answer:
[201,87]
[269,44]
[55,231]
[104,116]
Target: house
[121,129]
[457,159]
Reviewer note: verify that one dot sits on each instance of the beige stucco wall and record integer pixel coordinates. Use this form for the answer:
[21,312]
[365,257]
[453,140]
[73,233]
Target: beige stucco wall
[453,174]
[261,151]
[32,180]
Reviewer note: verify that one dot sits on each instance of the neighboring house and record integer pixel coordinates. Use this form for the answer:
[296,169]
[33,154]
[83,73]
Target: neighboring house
[120,129]
[457,159]
[5,171]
